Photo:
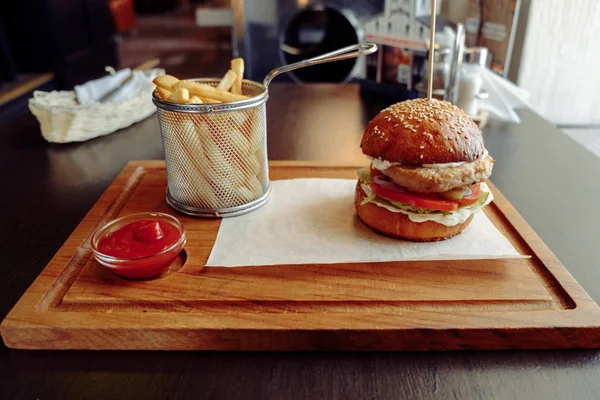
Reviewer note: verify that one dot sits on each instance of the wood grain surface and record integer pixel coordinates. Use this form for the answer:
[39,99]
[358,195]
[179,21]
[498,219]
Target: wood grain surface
[428,305]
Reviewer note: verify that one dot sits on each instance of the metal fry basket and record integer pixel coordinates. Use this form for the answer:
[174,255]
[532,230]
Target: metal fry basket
[216,154]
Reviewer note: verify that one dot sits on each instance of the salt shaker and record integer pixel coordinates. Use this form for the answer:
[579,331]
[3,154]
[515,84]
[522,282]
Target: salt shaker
[471,80]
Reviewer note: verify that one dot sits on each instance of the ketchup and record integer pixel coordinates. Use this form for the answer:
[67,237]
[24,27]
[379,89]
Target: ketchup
[139,239]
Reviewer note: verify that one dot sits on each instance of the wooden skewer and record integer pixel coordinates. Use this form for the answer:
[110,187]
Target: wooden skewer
[431,50]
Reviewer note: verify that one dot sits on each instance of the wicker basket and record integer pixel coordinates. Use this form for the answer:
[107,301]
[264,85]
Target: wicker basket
[63,120]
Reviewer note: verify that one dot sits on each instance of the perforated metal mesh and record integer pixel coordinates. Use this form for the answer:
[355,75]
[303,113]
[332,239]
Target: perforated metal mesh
[216,160]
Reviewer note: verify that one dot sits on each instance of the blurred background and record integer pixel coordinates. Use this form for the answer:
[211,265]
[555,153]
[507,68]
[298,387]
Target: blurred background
[548,48]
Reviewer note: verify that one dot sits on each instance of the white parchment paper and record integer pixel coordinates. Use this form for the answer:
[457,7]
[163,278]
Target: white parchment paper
[313,221]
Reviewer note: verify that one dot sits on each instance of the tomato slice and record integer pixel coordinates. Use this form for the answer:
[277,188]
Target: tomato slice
[389,190]
[473,197]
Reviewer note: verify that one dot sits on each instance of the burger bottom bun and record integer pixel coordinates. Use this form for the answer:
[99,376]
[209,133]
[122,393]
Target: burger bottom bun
[399,226]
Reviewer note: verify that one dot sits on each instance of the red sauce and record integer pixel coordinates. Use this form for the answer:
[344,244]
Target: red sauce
[139,239]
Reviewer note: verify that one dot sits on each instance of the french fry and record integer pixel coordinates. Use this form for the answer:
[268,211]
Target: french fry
[218,149]
[246,194]
[238,142]
[202,90]
[181,96]
[165,82]
[209,101]
[197,182]
[224,167]
[237,65]
[163,93]
[227,81]
[255,187]
[255,137]
[246,140]
[222,155]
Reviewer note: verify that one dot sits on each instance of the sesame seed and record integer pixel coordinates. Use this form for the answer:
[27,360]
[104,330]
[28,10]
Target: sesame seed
[421,156]
[422,147]
[451,150]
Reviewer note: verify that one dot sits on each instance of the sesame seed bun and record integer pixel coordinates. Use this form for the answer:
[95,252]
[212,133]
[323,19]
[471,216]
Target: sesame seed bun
[423,131]
[399,226]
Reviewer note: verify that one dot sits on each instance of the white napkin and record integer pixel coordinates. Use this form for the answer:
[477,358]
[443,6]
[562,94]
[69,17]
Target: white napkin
[115,88]
[313,221]
[504,97]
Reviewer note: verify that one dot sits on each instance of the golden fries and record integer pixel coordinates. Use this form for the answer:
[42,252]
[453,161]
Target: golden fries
[237,66]
[163,93]
[227,81]
[208,101]
[222,160]
[165,82]
[229,88]
[180,95]
[196,181]
[202,90]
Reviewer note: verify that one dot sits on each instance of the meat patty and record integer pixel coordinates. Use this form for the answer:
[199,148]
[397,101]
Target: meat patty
[435,180]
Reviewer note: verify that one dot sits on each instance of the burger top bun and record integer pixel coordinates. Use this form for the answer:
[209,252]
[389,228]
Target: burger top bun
[423,131]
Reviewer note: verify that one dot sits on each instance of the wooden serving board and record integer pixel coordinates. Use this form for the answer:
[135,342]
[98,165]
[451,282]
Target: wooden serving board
[420,305]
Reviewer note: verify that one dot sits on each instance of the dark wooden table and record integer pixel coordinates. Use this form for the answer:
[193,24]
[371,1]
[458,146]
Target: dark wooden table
[47,189]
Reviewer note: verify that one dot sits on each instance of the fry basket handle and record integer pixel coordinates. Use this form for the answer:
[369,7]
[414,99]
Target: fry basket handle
[344,53]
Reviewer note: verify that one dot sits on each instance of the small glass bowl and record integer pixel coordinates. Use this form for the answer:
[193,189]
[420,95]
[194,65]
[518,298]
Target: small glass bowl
[139,267]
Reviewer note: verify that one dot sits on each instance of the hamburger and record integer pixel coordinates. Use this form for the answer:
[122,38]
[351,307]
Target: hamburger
[427,174]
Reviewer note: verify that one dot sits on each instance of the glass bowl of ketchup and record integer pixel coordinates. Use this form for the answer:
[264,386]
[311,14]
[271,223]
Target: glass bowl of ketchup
[139,246]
